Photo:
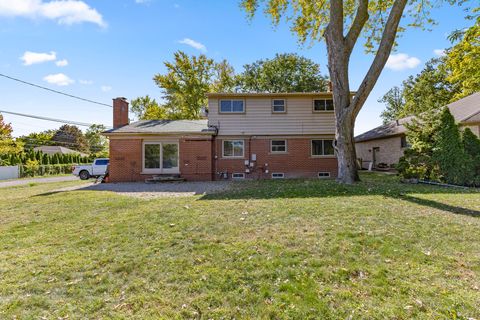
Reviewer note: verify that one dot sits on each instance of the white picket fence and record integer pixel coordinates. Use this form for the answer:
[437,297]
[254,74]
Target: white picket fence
[9,172]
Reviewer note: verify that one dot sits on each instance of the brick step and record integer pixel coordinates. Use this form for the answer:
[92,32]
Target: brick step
[165,178]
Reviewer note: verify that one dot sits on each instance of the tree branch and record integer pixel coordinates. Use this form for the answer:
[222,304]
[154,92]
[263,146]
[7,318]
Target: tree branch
[383,52]
[334,29]
[360,19]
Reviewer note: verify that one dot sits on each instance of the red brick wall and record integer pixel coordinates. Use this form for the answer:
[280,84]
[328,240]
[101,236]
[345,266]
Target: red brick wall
[296,163]
[201,160]
[196,158]
[125,160]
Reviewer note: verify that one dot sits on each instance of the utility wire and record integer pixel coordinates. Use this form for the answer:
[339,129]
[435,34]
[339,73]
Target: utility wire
[55,91]
[83,124]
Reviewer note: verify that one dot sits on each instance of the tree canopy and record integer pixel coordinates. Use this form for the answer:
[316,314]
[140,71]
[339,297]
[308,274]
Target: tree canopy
[287,72]
[7,143]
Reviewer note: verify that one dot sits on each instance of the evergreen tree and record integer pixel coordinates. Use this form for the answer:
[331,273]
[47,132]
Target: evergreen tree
[471,145]
[451,162]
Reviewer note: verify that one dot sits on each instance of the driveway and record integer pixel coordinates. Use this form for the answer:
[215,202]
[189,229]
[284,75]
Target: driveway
[19,182]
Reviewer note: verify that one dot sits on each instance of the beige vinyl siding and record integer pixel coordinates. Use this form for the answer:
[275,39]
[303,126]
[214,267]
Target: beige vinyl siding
[258,118]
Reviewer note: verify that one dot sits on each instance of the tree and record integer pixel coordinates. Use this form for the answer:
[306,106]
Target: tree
[286,72]
[97,143]
[328,19]
[184,87]
[35,139]
[7,143]
[462,61]
[394,104]
[449,156]
[471,145]
[71,137]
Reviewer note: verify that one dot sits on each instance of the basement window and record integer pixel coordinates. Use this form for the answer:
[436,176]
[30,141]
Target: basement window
[324,174]
[238,176]
[278,175]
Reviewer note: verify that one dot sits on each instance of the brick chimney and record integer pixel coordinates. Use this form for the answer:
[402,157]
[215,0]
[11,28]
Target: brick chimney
[120,112]
[330,86]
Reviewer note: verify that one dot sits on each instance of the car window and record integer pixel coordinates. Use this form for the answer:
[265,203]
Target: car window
[101,162]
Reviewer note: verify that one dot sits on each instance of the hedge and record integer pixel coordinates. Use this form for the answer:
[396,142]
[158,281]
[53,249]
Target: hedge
[44,170]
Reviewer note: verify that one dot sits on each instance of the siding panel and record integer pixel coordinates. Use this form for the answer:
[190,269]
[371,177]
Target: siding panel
[258,118]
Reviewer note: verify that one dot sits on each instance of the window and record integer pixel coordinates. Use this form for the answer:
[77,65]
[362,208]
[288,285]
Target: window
[233,148]
[152,156]
[278,175]
[238,175]
[160,157]
[323,105]
[232,106]
[322,148]
[102,162]
[324,174]
[278,146]
[404,142]
[278,106]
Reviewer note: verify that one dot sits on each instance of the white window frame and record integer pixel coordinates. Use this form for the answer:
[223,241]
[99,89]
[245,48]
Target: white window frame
[284,106]
[323,176]
[271,146]
[239,175]
[323,148]
[231,100]
[233,156]
[161,169]
[278,175]
[324,105]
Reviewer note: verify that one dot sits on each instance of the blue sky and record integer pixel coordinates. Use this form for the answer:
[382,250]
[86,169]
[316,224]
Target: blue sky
[105,49]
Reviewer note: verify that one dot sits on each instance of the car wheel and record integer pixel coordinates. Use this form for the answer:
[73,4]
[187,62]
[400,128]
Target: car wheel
[84,175]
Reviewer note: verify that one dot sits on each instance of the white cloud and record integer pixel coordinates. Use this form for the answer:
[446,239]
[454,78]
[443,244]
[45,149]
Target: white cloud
[59,79]
[106,88]
[401,61]
[62,63]
[439,52]
[194,44]
[86,82]
[30,57]
[64,12]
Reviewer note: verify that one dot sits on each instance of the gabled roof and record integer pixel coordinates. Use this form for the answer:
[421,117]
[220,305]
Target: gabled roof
[58,149]
[465,110]
[163,127]
[390,129]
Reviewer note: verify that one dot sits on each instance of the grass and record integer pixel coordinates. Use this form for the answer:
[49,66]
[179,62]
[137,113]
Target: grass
[299,249]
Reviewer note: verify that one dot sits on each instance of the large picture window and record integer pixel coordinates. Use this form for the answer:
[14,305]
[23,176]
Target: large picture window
[160,157]
[232,106]
[322,105]
[322,148]
[233,148]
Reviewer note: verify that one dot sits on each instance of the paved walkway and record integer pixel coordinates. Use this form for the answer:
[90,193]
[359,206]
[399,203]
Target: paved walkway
[19,182]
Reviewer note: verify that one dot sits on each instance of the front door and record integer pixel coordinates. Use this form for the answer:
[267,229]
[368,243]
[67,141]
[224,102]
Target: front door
[160,157]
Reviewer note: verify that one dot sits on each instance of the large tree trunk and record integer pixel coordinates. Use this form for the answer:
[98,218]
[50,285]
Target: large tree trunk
[339,49]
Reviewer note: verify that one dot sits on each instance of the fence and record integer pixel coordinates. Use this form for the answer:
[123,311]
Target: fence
[9,172]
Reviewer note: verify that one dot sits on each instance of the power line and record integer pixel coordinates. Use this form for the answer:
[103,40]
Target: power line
[83,124]
[55,91]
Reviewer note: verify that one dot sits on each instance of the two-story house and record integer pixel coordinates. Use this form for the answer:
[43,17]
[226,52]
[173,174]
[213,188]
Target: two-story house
[246,136]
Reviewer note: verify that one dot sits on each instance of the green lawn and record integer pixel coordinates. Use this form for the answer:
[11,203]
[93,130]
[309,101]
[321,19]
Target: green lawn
[268,250]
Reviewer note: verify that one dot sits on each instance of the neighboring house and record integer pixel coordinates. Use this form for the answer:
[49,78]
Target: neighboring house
[246,136]
[51,150]
[386,143]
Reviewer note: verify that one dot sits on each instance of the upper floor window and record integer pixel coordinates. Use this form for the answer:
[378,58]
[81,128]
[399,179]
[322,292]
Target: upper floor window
[233,148]
[322,148]
[323,105]
[279,106]
[232,106]
[404,142]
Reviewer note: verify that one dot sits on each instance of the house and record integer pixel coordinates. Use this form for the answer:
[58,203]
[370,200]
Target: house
[51,150]
[386,143]
[246,136]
